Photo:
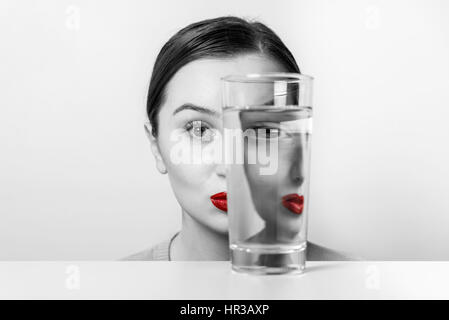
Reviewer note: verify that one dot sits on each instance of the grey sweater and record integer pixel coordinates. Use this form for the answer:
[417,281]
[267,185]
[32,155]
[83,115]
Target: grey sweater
[161,252]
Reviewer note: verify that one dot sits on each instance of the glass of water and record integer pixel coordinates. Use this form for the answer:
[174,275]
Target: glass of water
[267,129]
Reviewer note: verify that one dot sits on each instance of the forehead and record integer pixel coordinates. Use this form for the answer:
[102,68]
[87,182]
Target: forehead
[198,82]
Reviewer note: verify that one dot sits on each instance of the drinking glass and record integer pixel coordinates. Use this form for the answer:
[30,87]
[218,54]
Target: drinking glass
[267,128]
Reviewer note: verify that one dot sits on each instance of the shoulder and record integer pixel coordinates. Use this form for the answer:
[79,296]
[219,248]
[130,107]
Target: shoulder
[158,252]
[319,253]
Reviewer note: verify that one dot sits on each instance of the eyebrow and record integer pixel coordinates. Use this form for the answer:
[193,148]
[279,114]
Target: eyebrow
[191,106]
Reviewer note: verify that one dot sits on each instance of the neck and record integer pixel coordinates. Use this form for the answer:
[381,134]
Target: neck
[197,242]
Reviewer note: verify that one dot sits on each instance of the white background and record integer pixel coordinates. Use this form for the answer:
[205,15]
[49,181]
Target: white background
[77,178]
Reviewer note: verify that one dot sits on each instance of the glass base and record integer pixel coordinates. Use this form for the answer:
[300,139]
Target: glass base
[268,261]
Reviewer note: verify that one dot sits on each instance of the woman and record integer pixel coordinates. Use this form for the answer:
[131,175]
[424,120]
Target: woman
[184,107]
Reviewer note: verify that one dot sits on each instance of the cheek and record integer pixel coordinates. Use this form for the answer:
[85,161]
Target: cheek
[264,191]
[187,183]
[268,189]
[188,176]
[286,161]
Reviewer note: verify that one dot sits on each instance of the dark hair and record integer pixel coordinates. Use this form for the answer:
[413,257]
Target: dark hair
[222,37]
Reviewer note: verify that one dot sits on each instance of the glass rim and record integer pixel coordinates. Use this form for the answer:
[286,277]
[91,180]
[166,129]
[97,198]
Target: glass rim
[267,77]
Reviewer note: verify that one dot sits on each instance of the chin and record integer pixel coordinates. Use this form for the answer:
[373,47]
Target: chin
[218,222]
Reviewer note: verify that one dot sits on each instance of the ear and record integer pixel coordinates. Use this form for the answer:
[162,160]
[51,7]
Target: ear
[160,165]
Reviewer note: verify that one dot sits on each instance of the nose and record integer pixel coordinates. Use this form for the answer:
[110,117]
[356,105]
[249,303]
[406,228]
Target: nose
[296,170]
[220,169]
[297,177]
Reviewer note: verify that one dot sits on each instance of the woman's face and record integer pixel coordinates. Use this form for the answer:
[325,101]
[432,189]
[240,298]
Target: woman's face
[189,120]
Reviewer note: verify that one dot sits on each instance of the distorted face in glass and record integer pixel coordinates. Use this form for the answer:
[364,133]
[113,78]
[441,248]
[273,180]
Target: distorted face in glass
[277,195]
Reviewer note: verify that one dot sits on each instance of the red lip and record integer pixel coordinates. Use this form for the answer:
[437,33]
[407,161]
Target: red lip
[220,201]
[293,202]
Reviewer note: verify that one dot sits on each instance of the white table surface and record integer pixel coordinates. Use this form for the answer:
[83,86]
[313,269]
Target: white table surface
[215,280]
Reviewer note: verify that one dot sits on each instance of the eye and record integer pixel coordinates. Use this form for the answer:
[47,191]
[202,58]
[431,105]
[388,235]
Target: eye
[268,132]
[201,130]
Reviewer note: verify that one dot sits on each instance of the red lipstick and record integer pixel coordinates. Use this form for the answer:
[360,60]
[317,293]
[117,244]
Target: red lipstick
[293,202]
[220,201]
